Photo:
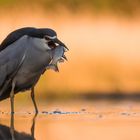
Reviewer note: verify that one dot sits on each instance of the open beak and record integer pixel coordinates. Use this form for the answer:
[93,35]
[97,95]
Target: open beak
[57,41]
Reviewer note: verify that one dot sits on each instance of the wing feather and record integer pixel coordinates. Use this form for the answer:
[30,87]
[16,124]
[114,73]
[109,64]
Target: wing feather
[11,58]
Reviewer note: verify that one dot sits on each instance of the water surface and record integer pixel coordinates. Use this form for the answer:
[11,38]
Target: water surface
[73,120]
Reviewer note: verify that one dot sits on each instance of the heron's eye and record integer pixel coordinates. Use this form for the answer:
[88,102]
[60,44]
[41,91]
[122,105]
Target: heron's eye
[47,38]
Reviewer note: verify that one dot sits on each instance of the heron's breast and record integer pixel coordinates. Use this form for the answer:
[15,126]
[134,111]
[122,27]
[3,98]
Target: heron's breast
[25,80]
[34,64]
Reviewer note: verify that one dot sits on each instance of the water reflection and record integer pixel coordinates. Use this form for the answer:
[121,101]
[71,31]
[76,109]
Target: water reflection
[9,133]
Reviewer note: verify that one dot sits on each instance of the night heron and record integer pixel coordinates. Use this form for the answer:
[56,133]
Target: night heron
[25,55]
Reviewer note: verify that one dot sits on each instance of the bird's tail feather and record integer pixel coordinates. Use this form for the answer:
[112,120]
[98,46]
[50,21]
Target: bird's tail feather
[54,67]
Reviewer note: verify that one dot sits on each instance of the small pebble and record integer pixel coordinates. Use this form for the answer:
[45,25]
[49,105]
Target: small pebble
[100,115]
[57,112]
[124,113]
[83,109]
[44,112]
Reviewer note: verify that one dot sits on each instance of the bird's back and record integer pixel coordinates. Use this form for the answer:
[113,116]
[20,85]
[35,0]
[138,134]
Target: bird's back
[15,35]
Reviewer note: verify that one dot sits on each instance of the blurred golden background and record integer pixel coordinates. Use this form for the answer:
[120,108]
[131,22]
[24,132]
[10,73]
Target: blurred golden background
[103,37]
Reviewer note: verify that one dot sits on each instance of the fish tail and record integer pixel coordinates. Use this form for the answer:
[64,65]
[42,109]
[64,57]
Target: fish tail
[54,67]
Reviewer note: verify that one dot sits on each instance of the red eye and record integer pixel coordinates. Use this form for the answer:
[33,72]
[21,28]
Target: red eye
[46,38]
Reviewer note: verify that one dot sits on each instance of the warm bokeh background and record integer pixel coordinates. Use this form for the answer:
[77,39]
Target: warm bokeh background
[103,37]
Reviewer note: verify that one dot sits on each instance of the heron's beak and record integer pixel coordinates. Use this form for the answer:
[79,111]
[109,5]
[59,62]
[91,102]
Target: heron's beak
[57,41]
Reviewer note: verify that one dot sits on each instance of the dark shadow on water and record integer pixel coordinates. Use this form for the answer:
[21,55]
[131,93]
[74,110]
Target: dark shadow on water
[9,133]
[97,96]
[6,135]
[116,96]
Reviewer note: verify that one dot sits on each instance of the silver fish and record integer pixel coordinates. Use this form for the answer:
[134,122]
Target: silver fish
[57,55]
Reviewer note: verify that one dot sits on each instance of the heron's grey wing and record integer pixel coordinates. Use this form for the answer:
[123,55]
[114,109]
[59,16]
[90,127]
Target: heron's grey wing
[10,59]
[6,70]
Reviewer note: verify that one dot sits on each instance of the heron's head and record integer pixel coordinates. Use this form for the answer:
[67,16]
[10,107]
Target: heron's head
[51,38]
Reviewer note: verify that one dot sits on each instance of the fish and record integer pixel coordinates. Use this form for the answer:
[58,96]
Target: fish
[57,55]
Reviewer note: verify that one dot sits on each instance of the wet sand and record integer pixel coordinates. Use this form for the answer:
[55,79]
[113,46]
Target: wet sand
[77,120]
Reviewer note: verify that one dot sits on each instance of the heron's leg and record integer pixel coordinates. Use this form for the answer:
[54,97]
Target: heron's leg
[33,99]
[12,110]
[12,97]
[33,127]
[12,127]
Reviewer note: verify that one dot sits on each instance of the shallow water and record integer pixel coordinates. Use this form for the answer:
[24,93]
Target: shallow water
[73,120]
